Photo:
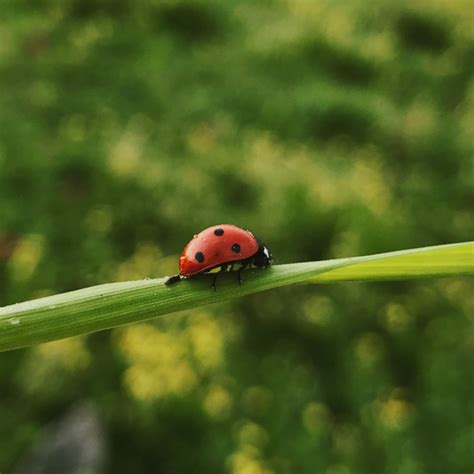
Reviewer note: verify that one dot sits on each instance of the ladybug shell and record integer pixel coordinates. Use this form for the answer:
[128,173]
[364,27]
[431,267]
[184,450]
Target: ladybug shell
[216,246]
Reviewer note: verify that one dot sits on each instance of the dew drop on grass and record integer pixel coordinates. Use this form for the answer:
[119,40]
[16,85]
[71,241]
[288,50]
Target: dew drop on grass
[14,321]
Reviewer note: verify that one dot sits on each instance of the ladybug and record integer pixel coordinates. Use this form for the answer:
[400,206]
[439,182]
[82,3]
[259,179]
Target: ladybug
[221,246]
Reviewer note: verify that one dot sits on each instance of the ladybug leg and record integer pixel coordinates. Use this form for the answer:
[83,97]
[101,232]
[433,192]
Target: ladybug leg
[173,279]
[239,276]
[223,269]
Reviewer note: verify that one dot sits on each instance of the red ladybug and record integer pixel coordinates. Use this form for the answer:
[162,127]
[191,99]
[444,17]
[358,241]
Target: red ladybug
[221,246]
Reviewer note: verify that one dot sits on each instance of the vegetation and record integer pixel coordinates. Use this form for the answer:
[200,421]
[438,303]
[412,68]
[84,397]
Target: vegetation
[113,304]
[330,129]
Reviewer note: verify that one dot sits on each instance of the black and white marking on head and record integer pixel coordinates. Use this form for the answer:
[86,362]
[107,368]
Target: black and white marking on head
[235,248]
[219,232]
[266,253]
[263,258]
[199,257]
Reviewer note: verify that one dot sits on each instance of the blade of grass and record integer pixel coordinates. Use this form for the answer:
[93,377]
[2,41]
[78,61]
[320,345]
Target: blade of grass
[443,260]
[106,306]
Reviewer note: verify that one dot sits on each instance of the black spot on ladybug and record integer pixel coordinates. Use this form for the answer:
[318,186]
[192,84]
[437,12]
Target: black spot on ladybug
[219,232]
[236,248]
[199,257]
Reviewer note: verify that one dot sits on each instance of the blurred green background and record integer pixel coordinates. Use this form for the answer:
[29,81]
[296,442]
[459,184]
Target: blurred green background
[328,128]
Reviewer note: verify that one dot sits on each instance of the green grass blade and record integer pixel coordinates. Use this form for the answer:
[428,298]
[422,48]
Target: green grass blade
[106,306]
[443,260]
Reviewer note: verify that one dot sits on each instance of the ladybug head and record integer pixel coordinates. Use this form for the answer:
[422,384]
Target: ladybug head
[263,258]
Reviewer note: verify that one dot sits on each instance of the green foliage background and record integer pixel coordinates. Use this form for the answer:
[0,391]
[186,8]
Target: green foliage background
[329,128]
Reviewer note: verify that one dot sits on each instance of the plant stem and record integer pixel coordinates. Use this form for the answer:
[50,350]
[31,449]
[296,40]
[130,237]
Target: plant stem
[110,305]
